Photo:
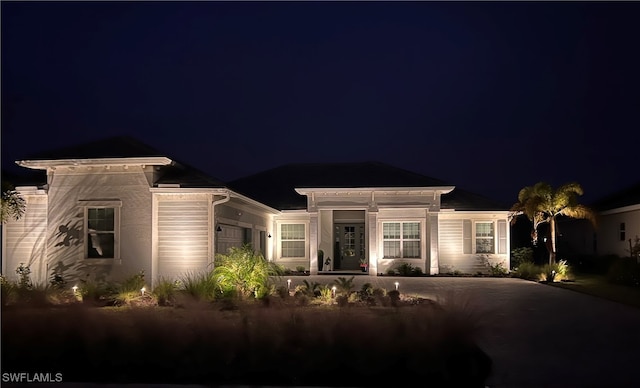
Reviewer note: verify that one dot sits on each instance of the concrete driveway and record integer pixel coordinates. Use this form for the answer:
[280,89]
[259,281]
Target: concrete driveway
[537,335]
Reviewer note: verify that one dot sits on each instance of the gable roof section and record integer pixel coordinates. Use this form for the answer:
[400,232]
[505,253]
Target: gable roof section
[276,187]
[625,197]
[127,147]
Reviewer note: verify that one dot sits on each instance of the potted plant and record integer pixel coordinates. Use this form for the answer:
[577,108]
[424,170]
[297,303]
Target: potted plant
[364,265]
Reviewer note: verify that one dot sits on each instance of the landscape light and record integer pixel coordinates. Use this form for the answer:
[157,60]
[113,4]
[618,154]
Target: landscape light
[397,284]
[75,289]
[142,290]
[333,290]
[288,283]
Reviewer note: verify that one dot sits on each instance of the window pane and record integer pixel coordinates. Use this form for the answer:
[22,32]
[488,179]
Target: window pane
[411,230]
[484,245]
[293,249]
[292,231]
[100,245]
[484,229]
[391,249]
[391,230]
[411,249]
[101,219]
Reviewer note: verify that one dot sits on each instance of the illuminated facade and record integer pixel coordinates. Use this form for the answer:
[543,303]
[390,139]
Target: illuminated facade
[109,215]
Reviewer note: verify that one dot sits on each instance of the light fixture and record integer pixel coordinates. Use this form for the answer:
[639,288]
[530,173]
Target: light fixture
[288,283]
[397,285]
[333,290]
[218,229]
[142,290]
[75,289]
[269,235]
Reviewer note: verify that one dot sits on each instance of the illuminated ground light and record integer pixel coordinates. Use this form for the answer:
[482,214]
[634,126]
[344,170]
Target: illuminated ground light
[397,285]
[288,283]
[333,291]
[142,290]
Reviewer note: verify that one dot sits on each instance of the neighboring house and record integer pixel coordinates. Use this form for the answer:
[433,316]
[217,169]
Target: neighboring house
[114,207]
[618,225]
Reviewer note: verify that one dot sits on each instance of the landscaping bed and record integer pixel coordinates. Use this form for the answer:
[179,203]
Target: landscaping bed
[249,343]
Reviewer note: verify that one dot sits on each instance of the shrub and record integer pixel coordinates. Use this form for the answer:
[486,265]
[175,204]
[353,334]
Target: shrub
[521,255]
[245,271]
[300,268]
[555,272]
[344,285]
[391,272]
[497,269]
[165,291]
[24,274]
[200,286]
[527,271]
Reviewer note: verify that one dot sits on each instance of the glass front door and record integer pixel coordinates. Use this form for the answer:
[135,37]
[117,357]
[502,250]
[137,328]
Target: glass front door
[349,246]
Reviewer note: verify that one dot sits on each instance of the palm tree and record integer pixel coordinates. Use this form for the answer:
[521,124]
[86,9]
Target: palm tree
[12,205]
[542,204]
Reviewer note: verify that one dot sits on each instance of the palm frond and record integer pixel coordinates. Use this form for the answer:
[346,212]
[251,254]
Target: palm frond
[580,212]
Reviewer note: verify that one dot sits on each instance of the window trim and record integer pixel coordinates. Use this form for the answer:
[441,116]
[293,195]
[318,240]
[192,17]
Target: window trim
[401,239]
[116,205]
[493,236]
[306,239]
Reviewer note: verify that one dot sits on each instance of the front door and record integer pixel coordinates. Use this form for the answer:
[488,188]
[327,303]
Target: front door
[349,249]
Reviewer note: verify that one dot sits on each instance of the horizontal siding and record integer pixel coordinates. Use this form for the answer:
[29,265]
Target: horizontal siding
[451,248]
[25,241]
[183,237]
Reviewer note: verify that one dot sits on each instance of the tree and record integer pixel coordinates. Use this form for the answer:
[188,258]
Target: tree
[542,204]
[12,204]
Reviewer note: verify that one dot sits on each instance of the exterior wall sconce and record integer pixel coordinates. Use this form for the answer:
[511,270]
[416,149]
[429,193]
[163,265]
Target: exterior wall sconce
[269,235]
[218,229]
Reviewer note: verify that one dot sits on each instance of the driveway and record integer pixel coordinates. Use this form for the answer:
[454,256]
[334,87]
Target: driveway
[537,335]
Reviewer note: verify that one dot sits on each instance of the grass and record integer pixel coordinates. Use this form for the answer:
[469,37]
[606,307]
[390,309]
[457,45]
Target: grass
[282,344]
[597,285]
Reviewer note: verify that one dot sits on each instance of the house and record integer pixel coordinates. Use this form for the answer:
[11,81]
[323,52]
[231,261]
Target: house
[115,207]
[617,228]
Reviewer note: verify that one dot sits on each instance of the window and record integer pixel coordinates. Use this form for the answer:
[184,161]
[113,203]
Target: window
[623,235]
[101,233]
[484,237]
[401,240]
[292,238]
[480,236]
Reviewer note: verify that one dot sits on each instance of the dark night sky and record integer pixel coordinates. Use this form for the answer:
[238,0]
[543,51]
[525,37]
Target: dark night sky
[489,96]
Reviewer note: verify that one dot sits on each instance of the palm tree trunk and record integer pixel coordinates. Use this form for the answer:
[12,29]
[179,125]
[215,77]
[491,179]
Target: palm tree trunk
[552,254]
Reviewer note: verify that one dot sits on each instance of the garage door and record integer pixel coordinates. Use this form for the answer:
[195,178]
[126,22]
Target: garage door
[231,236]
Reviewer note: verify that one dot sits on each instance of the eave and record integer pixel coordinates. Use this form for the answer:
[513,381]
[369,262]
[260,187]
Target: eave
[98,162]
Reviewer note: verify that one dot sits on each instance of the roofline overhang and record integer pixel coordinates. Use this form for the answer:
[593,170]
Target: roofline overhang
[382,190]
[95,162]
[621,209]
[214,191]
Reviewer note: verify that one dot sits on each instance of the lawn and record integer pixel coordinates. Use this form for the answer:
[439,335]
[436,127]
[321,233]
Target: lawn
[597,285]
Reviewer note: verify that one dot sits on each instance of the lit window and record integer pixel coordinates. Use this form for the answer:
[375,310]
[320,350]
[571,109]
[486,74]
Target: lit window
[484,237]
[401,240]
[292,238]
[101,233]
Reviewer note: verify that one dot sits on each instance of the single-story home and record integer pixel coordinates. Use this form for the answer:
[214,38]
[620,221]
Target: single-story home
[618,226]
[114,207]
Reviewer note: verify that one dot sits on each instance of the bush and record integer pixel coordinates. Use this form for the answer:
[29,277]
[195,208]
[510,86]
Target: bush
[244,271]
[497,269]
[165,291]
[200,286]
[521,255]
[528,271]
[555,272]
